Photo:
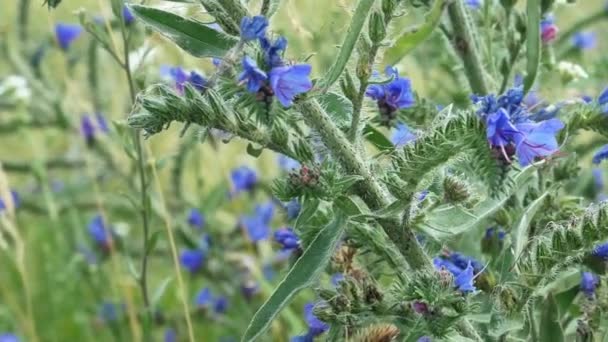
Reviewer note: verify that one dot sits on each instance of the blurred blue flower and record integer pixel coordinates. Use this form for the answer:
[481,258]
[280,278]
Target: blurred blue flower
[589,282]
[288,164]
[220,305]
[252,75]
[289,81]
[253,27]
[14,197]
[602,99]
[601,154]
[243,179]
[584,40]
[494,232]
[475,4]
[101,234]
[337,278]
[598,179]
[8,337]
[180,77]
[548,29]
[402,135]
[192,259]
[441,263]
[302,338]
[293,208]
[424,339]
[197,80]
[89,256]
[463,261]
[66,34]
[127,15]
[203,298]
[258,225]
[249,289]
[268,272]
[170,335]
[601,251]
[394,95]
[109,311]
[102,123]
[90,127]
[287,238]
[464,281]
[315,326]
[273,51]
[196,219]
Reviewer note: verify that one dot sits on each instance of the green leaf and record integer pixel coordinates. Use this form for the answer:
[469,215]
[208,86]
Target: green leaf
[339,108]
[374,136]
[254,152]
[192,36]
[352,35]
[152,241]
[305,271]
[351,206]
[520,236]
[160,291]
[447,221]
[413,37]
[550,329]
[533,45]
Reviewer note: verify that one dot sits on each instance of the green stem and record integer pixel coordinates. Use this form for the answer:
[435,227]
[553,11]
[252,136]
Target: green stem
[466,48]
[59,163]
[578,26]
[24,15]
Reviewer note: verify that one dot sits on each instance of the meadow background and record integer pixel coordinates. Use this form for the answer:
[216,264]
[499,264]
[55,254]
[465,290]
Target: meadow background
[50,289]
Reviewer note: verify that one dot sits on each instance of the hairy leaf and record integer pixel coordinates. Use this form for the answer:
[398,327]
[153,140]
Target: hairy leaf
[520,236]
[194,37]
[308,267]
[550,329]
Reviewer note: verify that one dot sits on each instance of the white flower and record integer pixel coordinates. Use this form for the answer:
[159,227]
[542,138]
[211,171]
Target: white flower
[571,71]
[15,87]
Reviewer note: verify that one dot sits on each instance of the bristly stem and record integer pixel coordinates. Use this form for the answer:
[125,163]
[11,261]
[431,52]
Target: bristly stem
[464,44]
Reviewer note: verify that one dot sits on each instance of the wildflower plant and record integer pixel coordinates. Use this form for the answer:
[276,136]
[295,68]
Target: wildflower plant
[405,208]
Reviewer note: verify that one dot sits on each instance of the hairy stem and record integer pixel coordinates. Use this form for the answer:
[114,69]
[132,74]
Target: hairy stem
[466,48]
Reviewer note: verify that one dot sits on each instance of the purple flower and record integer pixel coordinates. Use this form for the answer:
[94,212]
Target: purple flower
[203,298]
[258,225]
[420,307]
[474,4]
[462,261]
[243,179]
[273,50]
[8,337]
[441,263]
[192,259]
[494,232]
[89,127]
[589,282]
[196,219]
[402,135]
[603,98]
[109,311]
[288,164]
[601,251]
[66,34]
[464,281]
[584,40]
[170,335]
[395,95]
[289,81]
[14,197]
[253,28]
[102,124]
[197,80]
[287,238]
[253,75]
[101,234]
[220,305]
[336,279]
[601,154]
[548,29]
[250,289]
[127,15]
[293,209]
[536,140]
[315,326]
[500,131]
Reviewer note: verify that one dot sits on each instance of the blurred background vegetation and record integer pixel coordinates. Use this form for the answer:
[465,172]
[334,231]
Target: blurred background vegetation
[48,292]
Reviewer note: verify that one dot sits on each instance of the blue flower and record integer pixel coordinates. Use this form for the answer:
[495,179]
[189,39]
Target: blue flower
[109,312]
[402,135]
[102,124]
[603,98]
[14,197]
[441,263]
[337,278]
[537,139]
[250,289]
[424,339]
[273,50]
[475,4]
[601,251]
[258,225]
[584,40]
[192,259]
[494,232]
[589,282]
[89,127]
[288,164]
[302,338]
[548,29]
[8,337]
[196,219]
[66,34]
[598,179]
[464,281]
[287,238]
[315,326]
[253,28]
[395,95]
[127,15]
[203,298]
[293,208]
[101,234]
[197,80]
[170,335]
[243,179]
[601,154]
[462,261]
[220,305]
[289,81]
[500,131]
[180,77]
[254,76]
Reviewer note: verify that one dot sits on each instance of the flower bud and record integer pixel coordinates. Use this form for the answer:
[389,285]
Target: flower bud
[377,27]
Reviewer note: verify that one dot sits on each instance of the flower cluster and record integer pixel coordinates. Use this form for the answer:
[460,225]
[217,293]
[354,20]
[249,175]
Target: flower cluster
[180,78]
[316,327]
[205,299]
[464,270]
[275,78]
[512,130]
[91,126]
[392,96]
[257,225]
